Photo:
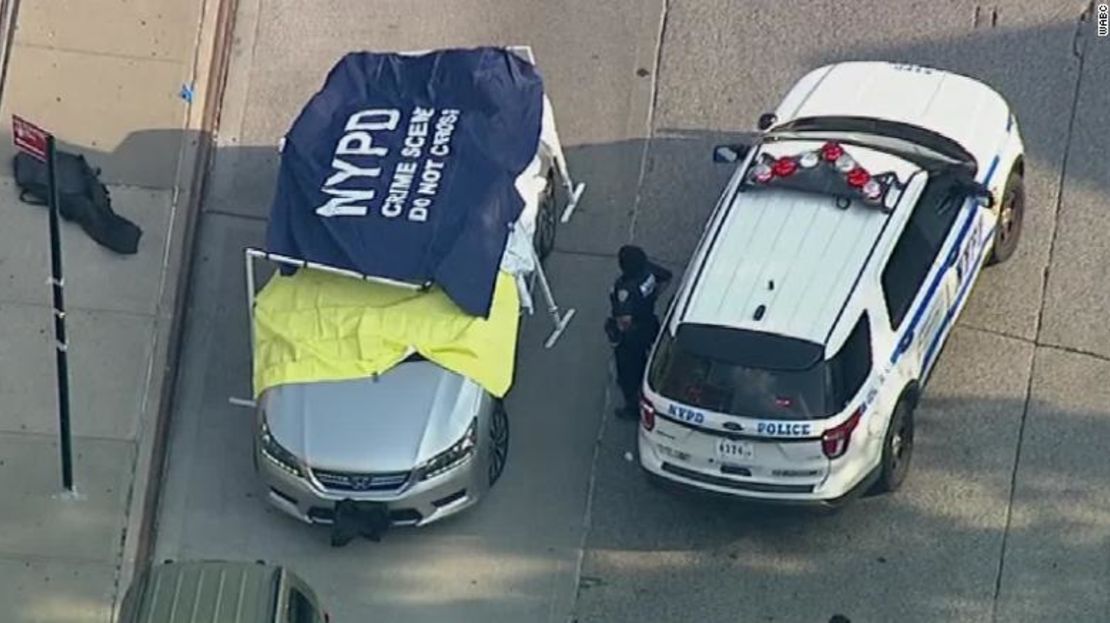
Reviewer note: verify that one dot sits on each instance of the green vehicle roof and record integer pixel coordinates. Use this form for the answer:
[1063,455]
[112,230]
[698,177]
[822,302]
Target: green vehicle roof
[204,592]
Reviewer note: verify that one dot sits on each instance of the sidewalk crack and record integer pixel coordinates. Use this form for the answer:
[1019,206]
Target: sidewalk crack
[102,54]
[1078,48]
[587,519]
[645,154]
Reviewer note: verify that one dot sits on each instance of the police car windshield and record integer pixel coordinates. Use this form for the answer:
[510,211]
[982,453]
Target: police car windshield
[758,375]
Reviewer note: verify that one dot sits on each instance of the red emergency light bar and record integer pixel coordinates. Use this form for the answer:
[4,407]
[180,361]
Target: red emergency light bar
[870,187]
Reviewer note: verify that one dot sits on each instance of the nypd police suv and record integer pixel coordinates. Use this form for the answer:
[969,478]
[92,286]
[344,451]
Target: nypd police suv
[826,282]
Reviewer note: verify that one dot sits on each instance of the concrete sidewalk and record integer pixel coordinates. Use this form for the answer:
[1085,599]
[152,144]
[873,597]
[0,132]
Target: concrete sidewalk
[111,79]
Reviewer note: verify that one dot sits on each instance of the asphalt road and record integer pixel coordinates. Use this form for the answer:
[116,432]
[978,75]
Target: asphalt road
[1003,518]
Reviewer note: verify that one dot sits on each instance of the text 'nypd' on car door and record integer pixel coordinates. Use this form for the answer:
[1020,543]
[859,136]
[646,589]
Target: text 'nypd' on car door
[963,261]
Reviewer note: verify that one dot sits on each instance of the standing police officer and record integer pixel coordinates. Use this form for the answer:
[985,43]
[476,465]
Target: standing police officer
[632,324]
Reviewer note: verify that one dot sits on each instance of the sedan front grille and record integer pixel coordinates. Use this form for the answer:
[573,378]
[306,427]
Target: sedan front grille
[347,481]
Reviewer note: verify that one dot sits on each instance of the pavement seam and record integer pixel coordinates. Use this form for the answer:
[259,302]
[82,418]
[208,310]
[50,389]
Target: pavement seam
[98,53]
[40,558]
[998,333]
[1038,344]
[658,63]
[1078,47]
[1013,487]
[588,514]
[82,308]
[587,519]
[6,177]
[53,435]
[1074,351]
[245,217]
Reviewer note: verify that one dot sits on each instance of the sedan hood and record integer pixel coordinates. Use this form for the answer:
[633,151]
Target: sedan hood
[389,424]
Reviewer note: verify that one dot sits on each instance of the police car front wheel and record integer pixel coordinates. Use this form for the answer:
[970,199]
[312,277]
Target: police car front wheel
[1010,212]
[897,450]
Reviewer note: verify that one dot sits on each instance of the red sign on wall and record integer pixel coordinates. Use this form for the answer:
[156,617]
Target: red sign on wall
[29,138]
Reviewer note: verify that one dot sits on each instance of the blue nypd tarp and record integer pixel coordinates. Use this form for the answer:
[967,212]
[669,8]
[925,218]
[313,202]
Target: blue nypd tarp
[403,167]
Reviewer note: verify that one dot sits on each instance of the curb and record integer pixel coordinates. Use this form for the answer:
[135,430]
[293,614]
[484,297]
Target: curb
[203,149]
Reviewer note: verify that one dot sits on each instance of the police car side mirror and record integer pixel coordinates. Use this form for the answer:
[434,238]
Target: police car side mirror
[729,153]
[984,199]
[979,194]
[766,120]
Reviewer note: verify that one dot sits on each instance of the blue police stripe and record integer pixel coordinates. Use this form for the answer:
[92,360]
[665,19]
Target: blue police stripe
[990,171]
[965,287]
[935,284]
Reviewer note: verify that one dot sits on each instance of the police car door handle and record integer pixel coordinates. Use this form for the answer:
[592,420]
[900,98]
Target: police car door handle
[907,339]
[953,257]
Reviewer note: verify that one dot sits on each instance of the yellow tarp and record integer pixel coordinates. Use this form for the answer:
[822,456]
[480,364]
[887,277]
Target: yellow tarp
[316,326]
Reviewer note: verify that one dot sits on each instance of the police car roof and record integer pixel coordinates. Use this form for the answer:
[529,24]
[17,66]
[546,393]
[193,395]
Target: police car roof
[952,105]
[796,255]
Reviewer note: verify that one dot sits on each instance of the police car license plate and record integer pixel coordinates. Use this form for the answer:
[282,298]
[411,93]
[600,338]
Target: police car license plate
[729,450]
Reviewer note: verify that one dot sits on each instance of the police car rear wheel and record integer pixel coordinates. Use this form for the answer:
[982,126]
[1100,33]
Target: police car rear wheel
[1010,213]
[499,442]
[897,450]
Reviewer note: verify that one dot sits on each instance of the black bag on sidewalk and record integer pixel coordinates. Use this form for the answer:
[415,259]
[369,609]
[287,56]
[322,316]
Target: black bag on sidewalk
[82,197]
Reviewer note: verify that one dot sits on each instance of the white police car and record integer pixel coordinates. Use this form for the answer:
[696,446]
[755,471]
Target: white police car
[826,282]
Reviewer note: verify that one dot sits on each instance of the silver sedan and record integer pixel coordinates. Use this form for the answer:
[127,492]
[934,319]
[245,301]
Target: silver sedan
[419,442]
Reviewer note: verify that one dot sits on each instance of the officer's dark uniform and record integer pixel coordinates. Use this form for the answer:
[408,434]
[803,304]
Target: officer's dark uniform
[632,325]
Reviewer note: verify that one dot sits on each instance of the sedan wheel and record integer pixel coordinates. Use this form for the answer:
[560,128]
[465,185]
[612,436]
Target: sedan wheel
[499,442]
[547,220]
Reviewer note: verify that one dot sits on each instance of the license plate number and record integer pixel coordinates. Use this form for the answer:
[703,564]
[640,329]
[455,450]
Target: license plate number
[728,450]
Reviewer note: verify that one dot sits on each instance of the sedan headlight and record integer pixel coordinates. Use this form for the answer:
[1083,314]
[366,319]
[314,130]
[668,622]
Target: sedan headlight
[451,457]
[277,453]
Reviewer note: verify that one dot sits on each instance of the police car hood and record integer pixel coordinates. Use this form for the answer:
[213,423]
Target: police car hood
[949,104]
[390,424]
[416,168]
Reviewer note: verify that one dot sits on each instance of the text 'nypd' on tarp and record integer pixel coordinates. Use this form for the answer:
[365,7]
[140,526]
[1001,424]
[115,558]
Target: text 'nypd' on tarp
[404,167]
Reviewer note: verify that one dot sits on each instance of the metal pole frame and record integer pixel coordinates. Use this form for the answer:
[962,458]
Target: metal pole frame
[61,344]
[524,288]
[574,195]
[560,320]
[574,191]
[251,253]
